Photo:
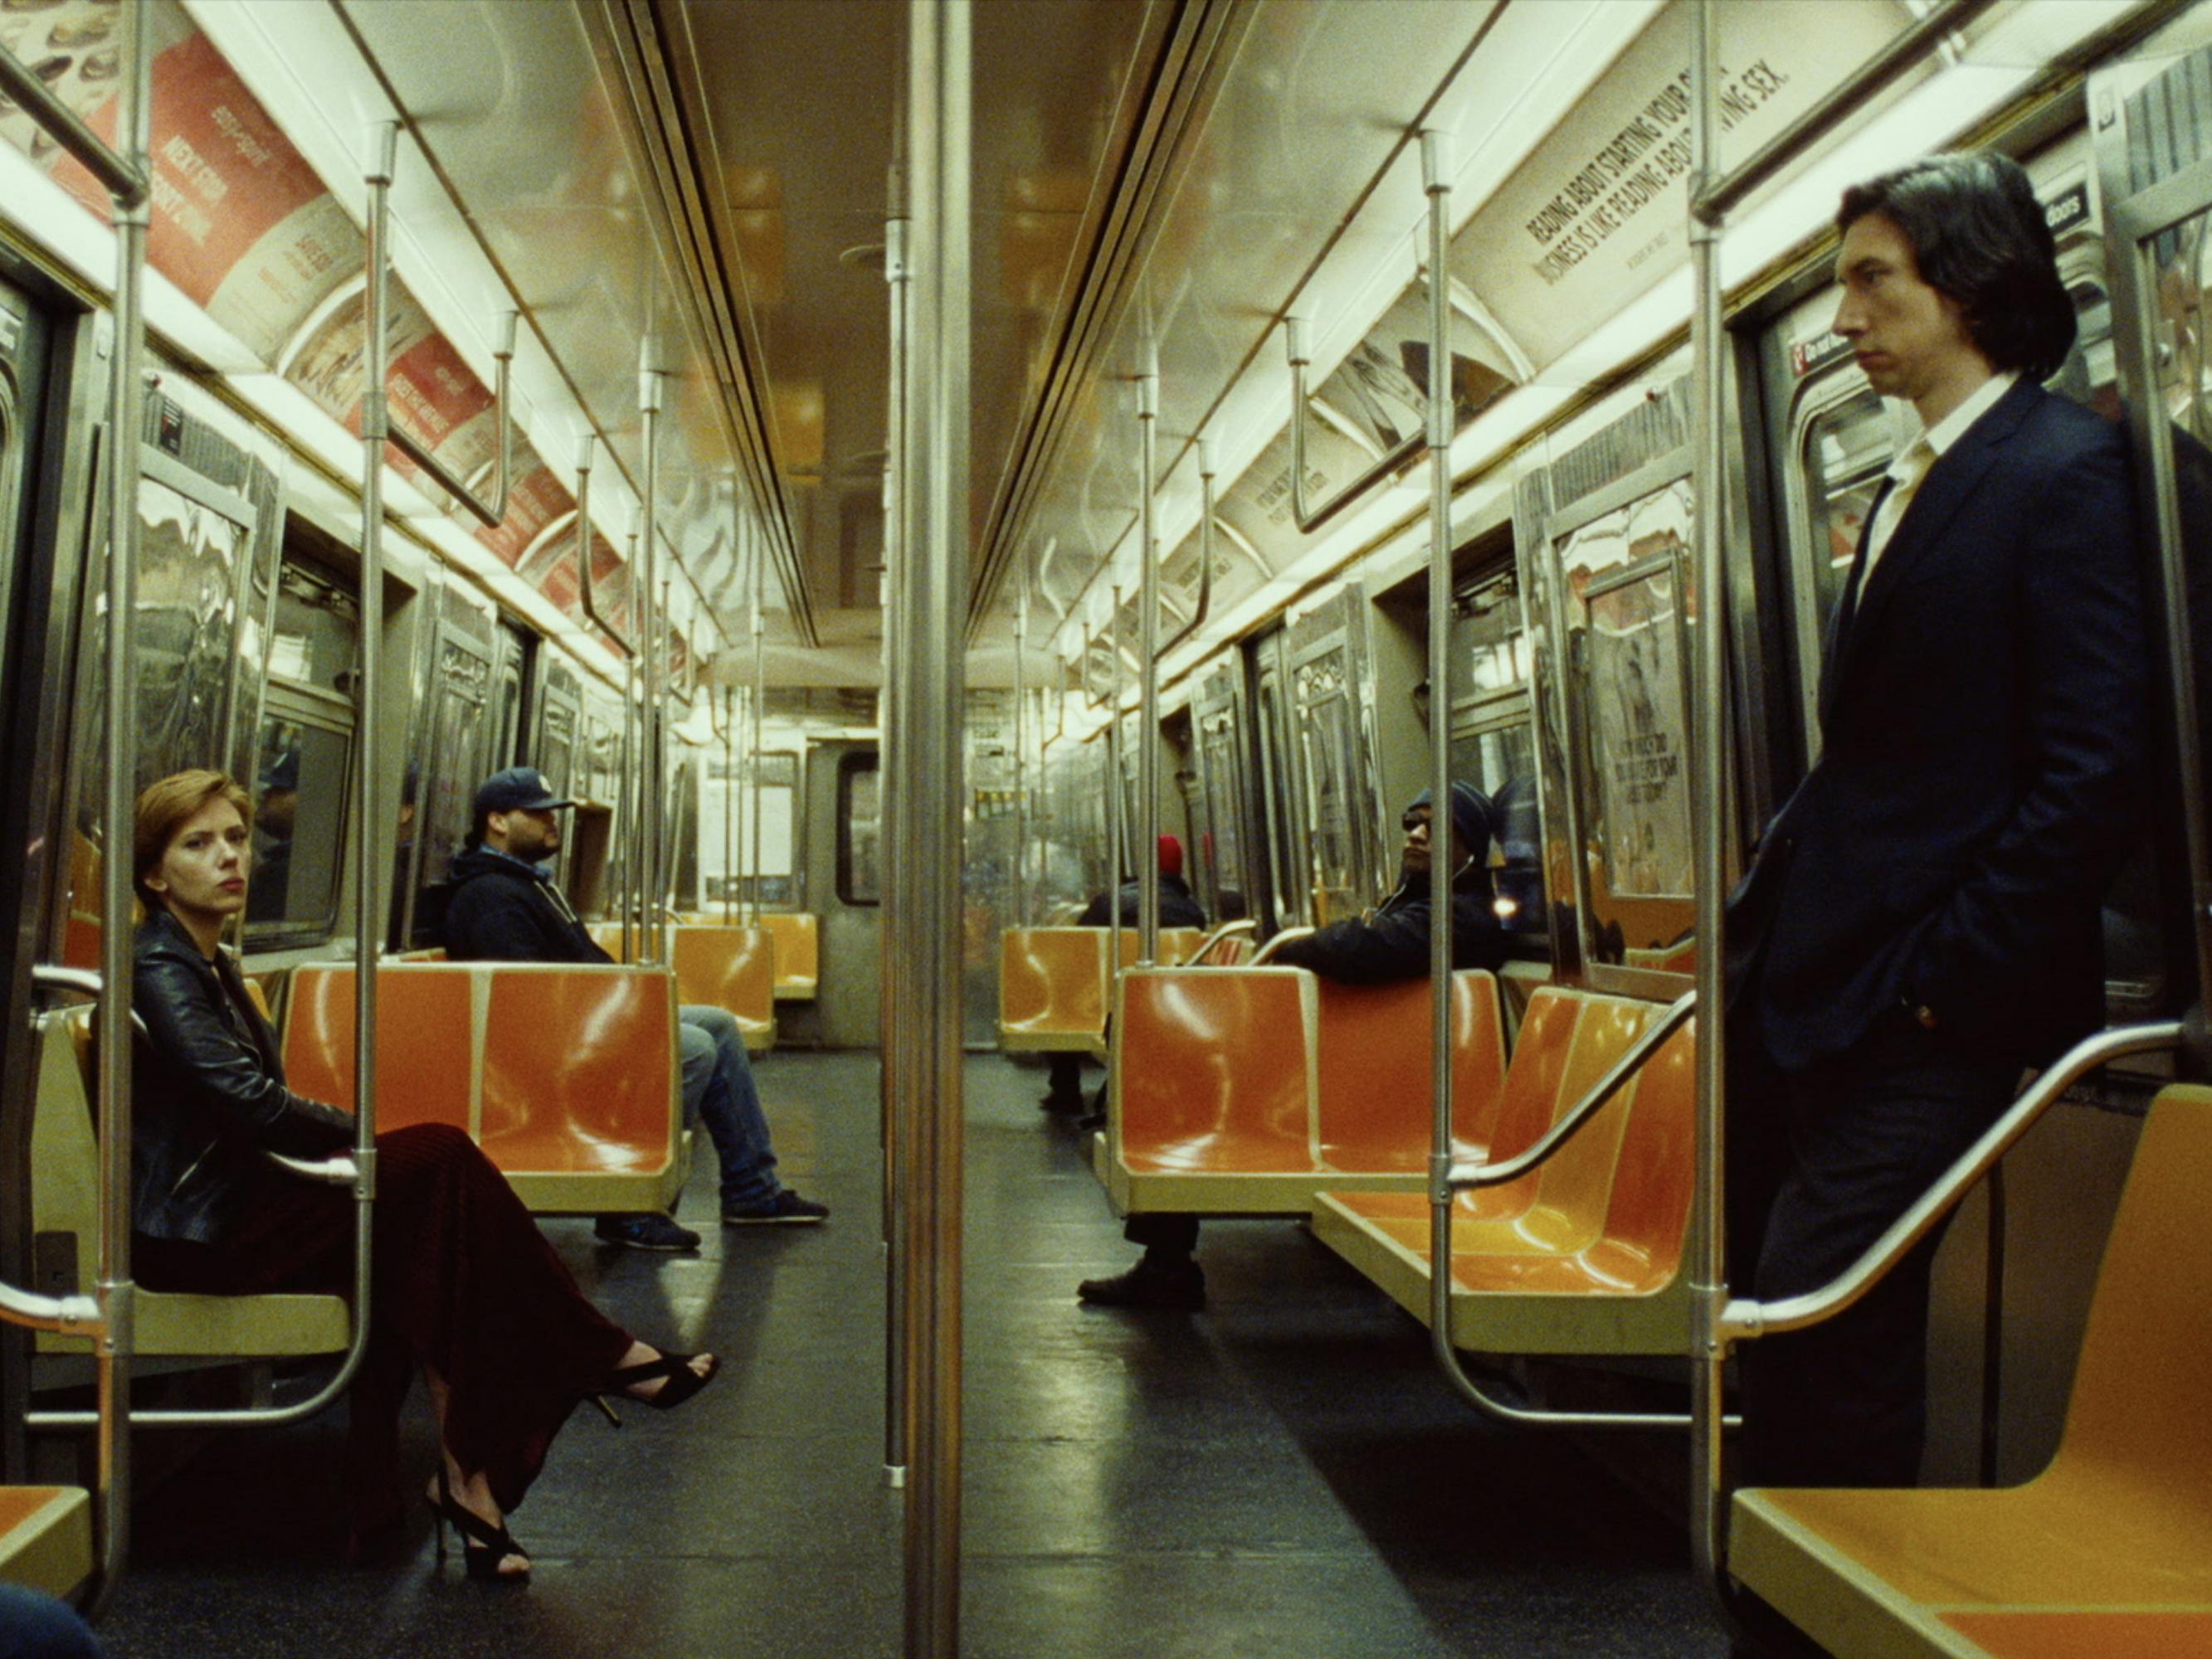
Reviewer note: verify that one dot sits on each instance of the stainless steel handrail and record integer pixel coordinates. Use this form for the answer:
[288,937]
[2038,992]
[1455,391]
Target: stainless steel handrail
[1468,1177]
[125,182]
[1019,909]
[728,733]
[933,507]
[653,641]
[597,619]
[1408,449]
[1745,1319]
[759,711]
[1117,832]
[376,394]
[1226,930]
[67,1315]
[1148,673]
[51,976]
[1204,607]
[1276,941]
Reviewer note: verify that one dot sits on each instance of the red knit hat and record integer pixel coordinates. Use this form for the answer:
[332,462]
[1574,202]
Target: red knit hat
[1170,856]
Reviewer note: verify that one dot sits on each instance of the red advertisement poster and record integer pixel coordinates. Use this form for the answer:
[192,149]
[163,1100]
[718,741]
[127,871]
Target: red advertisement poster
[240,223]
[537,500]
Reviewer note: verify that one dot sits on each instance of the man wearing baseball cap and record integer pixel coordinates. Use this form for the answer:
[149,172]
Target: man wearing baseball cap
[506,907]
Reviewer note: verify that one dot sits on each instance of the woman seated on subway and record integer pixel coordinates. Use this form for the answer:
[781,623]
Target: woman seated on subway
[463,1285]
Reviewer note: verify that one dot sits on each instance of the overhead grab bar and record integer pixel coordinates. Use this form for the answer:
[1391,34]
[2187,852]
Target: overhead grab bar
[1467,1177]
[1407,450]
[377,394]
[591,610]
[1205,549]
[126,182]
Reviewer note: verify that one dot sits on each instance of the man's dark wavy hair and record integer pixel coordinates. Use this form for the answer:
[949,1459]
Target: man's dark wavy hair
[1979,235]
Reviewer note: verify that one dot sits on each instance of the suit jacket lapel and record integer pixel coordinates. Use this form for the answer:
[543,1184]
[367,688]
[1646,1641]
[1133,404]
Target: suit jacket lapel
[1946,488]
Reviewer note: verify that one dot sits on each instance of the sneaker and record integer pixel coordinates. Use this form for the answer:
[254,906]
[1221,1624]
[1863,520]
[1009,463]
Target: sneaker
[646,1232]
[786,1209]
[1150,1284]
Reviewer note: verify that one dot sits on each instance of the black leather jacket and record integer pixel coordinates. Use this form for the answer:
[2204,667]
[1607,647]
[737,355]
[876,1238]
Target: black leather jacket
[208,1092]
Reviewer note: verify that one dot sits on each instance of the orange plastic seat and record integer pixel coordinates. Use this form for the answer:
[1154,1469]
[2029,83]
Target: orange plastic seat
[1052,990]
[798,953]
[732,968]
[2107,1554]
[425,1035]
[45,1538]
[1212,1079]
[1583,1255]
[565,1074]
[610,1107]
[1206,1117]
[1374,1071]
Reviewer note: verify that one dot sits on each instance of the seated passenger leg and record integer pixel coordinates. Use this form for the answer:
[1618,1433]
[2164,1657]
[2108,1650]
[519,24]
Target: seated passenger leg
[1165,1276]
[696,1051]
[728,1102]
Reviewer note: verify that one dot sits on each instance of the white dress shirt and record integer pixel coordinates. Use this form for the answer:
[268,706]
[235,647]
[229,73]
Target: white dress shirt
[1907,470]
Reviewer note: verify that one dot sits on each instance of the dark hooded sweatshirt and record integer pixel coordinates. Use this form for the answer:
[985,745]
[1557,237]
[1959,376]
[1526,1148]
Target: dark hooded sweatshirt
[1393,943]
[501,910]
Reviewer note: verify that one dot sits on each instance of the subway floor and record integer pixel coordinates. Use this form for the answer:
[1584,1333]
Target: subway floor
[1281,1476]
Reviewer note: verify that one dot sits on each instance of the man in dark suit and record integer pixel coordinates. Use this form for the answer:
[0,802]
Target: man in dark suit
[1921,921]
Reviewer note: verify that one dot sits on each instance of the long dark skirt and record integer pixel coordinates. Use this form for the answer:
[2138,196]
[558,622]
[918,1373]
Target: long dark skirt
[464,1284]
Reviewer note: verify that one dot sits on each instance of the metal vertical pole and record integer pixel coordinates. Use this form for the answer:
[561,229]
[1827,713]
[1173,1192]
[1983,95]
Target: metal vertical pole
[934,511]
[112,1019]
[1434,180]
[897,1015]
[729,805]
[632,802]
[760,703]
[1117,851]
[1148,648]
[1708,772]
[1018,911]
[651,640]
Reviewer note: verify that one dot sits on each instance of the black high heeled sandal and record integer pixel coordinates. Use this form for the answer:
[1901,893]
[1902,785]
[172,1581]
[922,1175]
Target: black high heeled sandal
[678,1382]
[484,1545]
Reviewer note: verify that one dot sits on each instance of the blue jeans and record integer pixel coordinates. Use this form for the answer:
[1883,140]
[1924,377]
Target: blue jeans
[719,1092]
[35,1627]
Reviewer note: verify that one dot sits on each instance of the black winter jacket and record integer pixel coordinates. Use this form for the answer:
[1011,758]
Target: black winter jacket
[1393,943]
[501,910]
[1178,909]
[207,1093]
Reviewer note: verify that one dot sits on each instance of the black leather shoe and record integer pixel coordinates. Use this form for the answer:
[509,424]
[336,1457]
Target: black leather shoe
[1150,1284]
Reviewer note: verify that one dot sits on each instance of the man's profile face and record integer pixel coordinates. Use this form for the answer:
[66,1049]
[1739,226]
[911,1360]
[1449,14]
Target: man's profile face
[1906,336]
[1414,860]
[530,836]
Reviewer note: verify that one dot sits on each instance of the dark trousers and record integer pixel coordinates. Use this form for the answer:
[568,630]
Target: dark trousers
[1820,1163]
[1163,1235]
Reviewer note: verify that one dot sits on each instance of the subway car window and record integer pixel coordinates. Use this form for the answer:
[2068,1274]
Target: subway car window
[1846,448]
[1625,571]
[728,819]
[860,830]
[302,760]
[1494,742]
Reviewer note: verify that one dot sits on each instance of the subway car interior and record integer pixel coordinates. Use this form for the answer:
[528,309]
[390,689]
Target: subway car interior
[991,531]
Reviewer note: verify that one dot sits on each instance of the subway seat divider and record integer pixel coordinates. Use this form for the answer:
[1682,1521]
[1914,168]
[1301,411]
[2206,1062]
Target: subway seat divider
[2106,1554]
[1582,1254]
[565,1074]
[65,1201]
[45,1538]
